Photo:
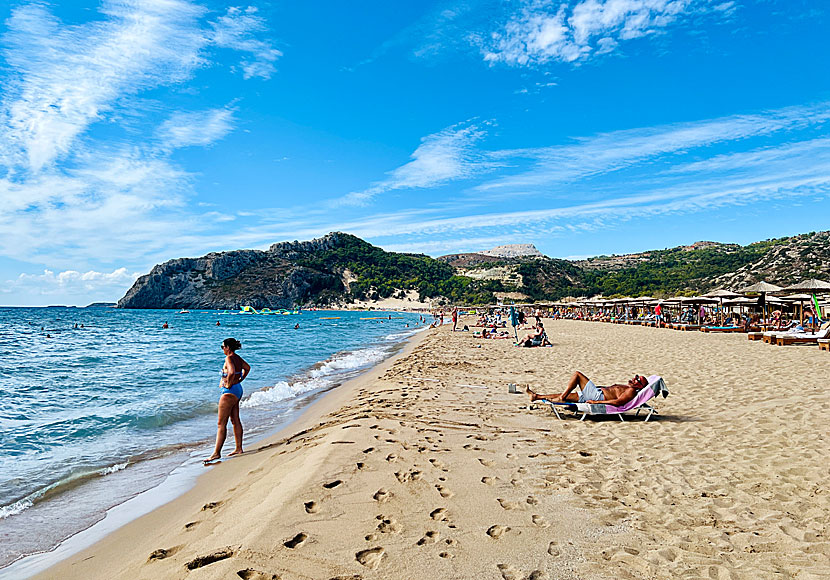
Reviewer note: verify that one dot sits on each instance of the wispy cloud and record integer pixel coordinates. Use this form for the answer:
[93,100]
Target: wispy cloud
[542,31]
[85,166]
[239,30]
[198,128]
[441,157]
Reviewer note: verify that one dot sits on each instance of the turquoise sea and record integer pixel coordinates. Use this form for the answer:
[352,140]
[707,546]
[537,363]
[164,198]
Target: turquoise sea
[101,404]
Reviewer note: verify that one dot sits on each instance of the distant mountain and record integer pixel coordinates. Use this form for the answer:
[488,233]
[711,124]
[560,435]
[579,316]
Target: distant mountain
[335,269]
[340,268]
[101,305]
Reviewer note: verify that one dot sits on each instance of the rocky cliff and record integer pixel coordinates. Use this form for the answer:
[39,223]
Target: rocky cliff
[229,280]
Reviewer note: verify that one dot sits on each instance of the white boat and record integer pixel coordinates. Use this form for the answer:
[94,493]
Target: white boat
[184,311]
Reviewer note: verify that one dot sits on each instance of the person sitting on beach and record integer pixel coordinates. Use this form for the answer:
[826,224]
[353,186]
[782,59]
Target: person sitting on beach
[617,395]
[536,338]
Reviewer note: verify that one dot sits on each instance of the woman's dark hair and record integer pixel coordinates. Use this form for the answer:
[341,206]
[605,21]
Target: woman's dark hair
[232,344]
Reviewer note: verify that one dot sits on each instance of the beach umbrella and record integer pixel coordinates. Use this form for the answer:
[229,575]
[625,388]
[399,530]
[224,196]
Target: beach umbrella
[814,286]
[761,288]
[720,294]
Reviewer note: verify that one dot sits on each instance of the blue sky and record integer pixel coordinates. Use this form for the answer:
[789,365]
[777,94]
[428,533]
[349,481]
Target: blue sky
[136,131]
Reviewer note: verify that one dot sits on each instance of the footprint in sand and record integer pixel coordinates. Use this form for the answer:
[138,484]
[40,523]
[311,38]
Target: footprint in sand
[537,575]
[445,555]
[531,500]
[485,462]
[507,504]
[439,464]
[163,553]
[212,506]
[439,514]
[487,480]
[444,492]
[554,550]
[430,537]
[389,526]
[251,574]
[508,572]
[368,450]
[370,537]
[539,521]
[391,458]
[381,495]
[371,558]
[191,525]
[296,541]
[332,484]
[496,531]
[311,507]
[215,556]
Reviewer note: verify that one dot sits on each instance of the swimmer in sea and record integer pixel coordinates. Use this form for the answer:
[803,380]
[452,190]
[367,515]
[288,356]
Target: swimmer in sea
[165,325]
[234,372]
[297,326]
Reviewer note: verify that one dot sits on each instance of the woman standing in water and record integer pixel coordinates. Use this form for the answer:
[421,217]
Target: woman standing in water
[233,373]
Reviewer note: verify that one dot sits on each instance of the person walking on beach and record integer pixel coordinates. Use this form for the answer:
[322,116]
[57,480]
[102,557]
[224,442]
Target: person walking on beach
[454,317]
[234,371]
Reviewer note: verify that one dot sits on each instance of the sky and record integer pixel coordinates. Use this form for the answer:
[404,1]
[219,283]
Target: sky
[137,131]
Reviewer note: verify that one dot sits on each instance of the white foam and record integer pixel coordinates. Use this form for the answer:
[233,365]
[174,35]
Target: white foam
[15,508]
[317,378]
[114,468]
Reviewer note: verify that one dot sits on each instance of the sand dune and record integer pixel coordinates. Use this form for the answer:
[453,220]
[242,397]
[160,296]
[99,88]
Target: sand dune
[428,468]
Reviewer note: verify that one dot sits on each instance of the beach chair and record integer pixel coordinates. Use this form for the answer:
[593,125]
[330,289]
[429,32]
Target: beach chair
[722,329]
[656,386]
[824,344]
[786,339]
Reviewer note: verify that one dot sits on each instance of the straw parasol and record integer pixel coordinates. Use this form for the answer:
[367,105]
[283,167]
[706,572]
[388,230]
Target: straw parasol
[814,286]
[761,288]
[720,294]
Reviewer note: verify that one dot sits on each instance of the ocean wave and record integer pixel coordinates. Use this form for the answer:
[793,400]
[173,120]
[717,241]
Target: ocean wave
[321,376]
[15,508]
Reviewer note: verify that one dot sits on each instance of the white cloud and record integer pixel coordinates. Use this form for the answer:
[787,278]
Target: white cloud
[547,30]
[72,283]
[68,77]
[238,30]
[199,128]
[67,194]
[609,152]
[440,158]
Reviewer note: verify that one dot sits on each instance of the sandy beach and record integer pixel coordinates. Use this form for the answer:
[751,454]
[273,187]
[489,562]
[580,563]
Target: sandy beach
[426,467]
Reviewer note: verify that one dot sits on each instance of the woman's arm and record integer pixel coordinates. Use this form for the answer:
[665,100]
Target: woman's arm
[246,369]
[230,370]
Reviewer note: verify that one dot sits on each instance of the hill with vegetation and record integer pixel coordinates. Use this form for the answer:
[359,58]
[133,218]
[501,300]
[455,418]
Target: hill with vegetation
[339,268]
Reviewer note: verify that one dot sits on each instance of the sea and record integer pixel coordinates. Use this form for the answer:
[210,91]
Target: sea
[100,405]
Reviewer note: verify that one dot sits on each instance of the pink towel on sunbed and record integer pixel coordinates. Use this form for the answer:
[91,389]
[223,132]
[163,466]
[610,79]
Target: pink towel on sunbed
[655,386]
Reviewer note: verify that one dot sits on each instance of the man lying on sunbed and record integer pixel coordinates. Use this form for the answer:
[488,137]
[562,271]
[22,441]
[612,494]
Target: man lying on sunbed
[617,395]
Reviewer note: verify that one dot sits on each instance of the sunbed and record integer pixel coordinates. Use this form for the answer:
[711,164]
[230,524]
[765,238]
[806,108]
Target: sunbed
[656,386]
[788,338]
[722,328]
[755,335]
[824,344]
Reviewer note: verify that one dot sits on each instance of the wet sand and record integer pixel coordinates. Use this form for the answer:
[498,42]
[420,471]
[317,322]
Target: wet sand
[426,467]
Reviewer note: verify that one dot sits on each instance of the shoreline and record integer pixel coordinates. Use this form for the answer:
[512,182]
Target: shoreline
[427,467]
[181,478]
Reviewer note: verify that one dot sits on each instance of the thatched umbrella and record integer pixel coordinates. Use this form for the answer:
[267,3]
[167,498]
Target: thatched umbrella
[761,288]
[720,294]
[814,286]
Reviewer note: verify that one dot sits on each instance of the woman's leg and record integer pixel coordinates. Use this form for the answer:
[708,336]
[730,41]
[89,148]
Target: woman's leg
[226,405]
[237,429]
